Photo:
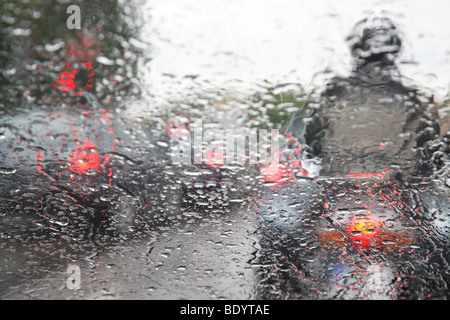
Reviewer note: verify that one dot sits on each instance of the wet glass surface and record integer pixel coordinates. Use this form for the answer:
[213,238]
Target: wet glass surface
[116,160]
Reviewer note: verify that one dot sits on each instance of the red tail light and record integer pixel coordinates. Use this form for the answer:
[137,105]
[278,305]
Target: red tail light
[215,159]
[364,232]
[84,160]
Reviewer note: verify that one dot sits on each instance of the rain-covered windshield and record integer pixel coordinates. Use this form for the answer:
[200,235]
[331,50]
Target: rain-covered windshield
[224,149]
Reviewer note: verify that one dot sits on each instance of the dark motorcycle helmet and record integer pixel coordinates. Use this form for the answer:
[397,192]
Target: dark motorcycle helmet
[374,39]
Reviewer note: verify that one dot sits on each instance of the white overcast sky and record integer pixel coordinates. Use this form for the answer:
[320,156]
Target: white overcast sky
[285,40]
